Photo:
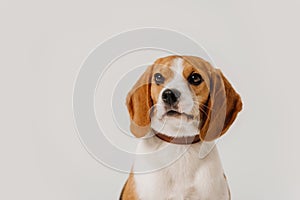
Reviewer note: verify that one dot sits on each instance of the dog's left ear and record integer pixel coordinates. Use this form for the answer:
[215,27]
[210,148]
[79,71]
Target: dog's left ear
[222,107]
[139,103]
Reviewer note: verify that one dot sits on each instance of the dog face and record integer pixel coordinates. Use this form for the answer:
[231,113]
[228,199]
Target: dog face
[182,96]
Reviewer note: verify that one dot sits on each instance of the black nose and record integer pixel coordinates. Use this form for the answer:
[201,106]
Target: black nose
[170,96]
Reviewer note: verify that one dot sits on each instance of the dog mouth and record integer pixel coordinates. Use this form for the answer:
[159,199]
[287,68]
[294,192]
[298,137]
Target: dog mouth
[175,113]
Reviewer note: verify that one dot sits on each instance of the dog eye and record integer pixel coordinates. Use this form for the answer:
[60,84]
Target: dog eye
[195,79]
[159,79]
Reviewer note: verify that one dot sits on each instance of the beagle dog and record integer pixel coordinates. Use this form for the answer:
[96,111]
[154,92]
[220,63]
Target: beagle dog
[181,101]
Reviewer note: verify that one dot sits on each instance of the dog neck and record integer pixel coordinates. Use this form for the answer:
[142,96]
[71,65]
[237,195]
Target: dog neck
[178,140]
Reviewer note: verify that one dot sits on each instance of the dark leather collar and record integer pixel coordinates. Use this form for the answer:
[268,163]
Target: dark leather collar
[178,140]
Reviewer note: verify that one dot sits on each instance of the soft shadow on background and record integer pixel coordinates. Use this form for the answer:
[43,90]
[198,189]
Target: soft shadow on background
[255,43]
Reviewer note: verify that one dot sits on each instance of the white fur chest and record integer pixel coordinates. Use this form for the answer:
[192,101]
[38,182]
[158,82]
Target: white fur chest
[187,178]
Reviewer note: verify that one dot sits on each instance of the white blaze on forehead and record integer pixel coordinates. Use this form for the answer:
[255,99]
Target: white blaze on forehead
[178,80]
[177,66]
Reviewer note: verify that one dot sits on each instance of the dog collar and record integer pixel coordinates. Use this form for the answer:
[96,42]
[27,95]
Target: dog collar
[178,140]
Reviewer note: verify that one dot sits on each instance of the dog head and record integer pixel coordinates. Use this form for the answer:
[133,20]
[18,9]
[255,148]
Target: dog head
[182,96]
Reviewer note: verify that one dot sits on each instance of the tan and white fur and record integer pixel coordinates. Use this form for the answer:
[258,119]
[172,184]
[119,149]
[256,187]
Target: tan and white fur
[206,107]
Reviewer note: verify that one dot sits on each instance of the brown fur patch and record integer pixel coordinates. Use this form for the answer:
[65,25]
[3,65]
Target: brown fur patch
[139,102]
[129,190]
[201,91]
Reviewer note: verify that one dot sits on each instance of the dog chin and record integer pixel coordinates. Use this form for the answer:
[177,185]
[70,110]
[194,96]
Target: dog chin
[175,125]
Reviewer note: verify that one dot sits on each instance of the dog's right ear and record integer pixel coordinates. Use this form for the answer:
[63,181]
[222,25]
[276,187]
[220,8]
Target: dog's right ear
[139,103]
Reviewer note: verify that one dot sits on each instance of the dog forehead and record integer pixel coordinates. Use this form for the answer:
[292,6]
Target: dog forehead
[173,64]
[166,61]
[177,63]
[176,66]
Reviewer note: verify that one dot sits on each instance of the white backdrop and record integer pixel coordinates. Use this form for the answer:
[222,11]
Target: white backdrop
[43,44]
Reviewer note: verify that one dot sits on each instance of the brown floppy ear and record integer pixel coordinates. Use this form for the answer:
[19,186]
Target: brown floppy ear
[222,107]
[139,103]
